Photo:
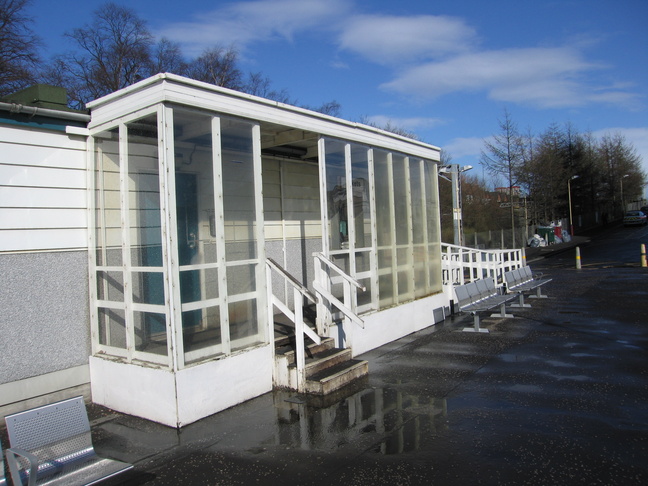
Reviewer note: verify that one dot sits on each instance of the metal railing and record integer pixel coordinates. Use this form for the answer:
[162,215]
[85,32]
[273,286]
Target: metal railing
[295,315]
[327,272]
[461,264]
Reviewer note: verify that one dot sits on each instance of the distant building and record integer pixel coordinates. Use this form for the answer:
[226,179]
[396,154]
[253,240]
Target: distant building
[513,190]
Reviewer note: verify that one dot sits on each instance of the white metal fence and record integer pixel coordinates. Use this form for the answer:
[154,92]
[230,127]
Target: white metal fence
[461,265]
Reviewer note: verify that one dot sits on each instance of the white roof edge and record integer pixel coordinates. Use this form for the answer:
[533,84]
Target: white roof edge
[164,77]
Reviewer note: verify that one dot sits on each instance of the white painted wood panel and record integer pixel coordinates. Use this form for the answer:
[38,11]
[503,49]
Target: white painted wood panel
[42,156]
[39,138]
[27,218]
[45,239]
[42,197]
[43,190]
[29,176]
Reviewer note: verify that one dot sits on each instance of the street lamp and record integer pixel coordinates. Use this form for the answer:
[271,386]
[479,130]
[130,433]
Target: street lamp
[454,171]
[571,224]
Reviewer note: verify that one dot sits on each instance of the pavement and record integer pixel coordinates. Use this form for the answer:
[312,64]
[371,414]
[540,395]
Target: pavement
[557,395]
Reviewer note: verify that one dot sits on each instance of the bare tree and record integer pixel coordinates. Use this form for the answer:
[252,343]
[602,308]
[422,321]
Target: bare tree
[260,85]
[167,57]
[113,52]
[217,65]
[504,156]
[18,47]
[625,177]
[391,127]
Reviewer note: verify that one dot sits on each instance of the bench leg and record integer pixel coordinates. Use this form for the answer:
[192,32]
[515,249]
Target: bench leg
[475,327]
[521,302]
[502,312]
[539,294]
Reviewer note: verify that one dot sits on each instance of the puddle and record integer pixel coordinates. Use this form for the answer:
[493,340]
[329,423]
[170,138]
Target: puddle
[390,421]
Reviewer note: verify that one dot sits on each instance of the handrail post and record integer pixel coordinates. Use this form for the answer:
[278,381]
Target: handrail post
[349,301]
[299,341]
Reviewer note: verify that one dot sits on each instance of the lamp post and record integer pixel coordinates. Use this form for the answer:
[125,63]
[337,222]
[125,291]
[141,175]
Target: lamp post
[454,171]
[571,223]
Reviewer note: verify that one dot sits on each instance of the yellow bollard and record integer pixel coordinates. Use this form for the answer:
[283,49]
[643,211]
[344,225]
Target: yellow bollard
[578,258]
[643,255]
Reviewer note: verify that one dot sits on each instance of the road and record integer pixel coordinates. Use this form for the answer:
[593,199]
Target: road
[617,246]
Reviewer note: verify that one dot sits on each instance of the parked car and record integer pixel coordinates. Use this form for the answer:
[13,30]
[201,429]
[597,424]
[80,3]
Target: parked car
[644,209]
[634,217]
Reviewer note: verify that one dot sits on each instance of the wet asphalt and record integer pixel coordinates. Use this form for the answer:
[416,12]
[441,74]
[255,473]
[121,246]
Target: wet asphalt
[557,395]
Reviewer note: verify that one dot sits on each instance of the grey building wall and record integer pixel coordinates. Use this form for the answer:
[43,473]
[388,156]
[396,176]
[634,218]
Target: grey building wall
[44,313]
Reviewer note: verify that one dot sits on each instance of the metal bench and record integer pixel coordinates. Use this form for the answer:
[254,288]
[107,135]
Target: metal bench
[478,296]
[521,280]
[52,445]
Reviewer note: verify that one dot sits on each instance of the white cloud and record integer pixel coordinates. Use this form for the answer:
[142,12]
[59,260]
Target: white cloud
[462,147]
[547,77]
[242,23]
[432,55]
[393,40]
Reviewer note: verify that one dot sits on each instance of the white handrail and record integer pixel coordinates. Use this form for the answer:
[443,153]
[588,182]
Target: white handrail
[339,271]
[296,315]
[322,286]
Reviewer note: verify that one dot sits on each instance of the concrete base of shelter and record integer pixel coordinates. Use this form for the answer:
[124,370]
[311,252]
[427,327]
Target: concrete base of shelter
[391,324]
[185,396]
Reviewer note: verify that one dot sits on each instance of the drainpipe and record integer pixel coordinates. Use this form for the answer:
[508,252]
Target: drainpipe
[34,110]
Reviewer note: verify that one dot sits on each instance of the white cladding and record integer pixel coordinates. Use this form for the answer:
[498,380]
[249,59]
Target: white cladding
[43,190]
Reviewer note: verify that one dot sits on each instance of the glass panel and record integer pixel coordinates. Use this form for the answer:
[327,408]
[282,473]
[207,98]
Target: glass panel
[405,275]
[431,189]
[190,288]
[383,207]
[419,225]
[384,217]
[363,262]
[144,193]
[400,200]
[244,323]
[110,286]
[108,239]
[420,270]
[418,221]
[148,288]
[194,174]
[112,327]
[150,332]
[336,195]
[385,277]
[364,298]
[241,279]
[201,328]
[360,185]
[238,190]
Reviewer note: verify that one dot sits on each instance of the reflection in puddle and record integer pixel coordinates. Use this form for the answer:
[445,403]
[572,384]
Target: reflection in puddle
[390,421]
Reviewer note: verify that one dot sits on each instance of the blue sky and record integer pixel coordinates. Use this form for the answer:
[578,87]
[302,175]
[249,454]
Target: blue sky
[444,70]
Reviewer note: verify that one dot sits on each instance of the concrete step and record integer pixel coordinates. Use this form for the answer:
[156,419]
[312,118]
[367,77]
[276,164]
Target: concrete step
[286,348]
[324,359]
[336,377]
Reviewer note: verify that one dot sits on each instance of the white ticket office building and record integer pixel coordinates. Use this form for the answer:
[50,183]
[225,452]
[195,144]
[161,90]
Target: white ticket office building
[133,245]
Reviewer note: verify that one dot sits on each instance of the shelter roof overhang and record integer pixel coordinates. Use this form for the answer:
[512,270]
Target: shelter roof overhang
[293,123]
